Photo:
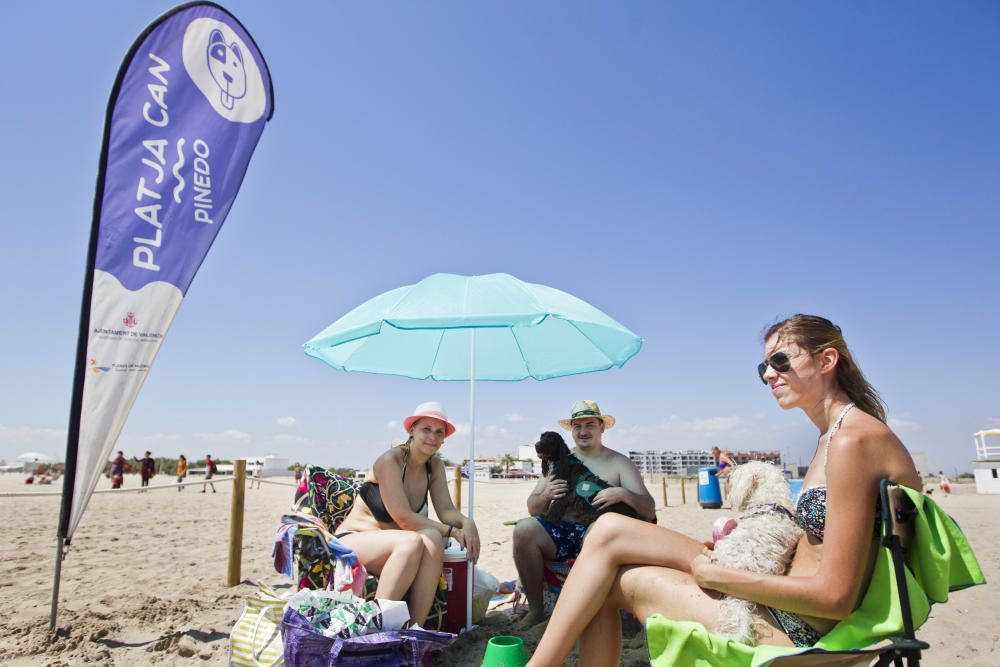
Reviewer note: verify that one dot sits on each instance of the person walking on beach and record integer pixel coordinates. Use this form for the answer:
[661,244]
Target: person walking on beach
[148,469]
[182,471]
[627,564]
[258,472]
[118,467]
[537,540]
[210,469]
[944,483]
[388,526]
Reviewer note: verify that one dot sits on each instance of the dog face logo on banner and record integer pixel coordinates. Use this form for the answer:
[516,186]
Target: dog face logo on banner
[218,62]
[225,62]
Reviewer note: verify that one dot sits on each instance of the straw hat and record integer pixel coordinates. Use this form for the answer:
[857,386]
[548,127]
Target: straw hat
[586,409]
[433,410]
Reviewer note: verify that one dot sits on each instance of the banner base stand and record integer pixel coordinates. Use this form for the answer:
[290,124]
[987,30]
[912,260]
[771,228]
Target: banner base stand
[55,584]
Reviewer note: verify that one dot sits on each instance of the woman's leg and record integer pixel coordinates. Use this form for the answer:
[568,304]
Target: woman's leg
[394,555]
[428,575]
[648,590]
[601,642]
[614,541]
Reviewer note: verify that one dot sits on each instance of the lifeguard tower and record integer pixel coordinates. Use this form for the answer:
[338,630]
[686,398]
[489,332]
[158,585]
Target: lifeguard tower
[987,463]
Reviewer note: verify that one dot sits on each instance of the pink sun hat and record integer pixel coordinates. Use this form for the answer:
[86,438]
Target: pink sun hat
[433,410]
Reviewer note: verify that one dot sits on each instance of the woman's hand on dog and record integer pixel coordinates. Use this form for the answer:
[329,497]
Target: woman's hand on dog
[702,566]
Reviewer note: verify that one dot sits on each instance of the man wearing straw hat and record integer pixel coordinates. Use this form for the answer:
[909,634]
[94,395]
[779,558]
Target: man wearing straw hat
[536,540]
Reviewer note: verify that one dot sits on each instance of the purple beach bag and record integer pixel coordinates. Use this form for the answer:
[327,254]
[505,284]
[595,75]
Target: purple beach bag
[305,647]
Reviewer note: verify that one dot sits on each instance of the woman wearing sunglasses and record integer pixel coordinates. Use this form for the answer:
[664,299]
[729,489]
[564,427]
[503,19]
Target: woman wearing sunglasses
[647,569]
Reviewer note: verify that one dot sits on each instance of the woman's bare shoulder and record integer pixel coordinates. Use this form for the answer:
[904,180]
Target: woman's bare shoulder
[437,466]
[389,460]
[871,443]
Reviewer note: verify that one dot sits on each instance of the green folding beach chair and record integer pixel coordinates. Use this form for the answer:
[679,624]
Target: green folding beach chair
[924,556]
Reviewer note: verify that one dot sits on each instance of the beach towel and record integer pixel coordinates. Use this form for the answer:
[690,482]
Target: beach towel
[554,573]
[324,562]
[327,496]
[939,560]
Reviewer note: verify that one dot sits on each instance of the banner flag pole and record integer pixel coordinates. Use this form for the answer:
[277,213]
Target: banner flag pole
[188,106]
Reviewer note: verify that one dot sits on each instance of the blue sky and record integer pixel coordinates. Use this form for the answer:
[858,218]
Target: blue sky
[695,170]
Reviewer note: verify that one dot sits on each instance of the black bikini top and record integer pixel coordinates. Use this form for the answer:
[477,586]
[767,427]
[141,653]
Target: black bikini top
[372,496]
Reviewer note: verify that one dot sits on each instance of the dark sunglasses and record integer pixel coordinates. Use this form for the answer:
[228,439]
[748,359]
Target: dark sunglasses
[779,361]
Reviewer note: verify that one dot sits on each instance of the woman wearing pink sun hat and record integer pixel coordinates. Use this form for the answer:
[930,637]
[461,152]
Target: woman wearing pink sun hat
[388,526]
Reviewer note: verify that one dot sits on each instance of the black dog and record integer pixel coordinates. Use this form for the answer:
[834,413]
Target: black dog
[583,484]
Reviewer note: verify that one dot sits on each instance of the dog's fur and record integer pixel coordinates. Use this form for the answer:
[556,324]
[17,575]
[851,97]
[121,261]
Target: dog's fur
[764,540]
[557,458]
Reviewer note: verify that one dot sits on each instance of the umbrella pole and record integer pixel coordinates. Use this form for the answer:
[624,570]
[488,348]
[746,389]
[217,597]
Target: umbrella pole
[472,474]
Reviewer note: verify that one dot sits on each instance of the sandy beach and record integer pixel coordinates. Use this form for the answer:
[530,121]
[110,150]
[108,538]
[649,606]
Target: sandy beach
[144,581]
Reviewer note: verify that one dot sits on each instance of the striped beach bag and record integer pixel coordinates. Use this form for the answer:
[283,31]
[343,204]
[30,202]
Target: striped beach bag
[256,638]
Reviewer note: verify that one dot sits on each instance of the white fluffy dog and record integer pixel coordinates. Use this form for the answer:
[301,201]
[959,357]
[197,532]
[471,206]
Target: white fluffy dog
[763,540]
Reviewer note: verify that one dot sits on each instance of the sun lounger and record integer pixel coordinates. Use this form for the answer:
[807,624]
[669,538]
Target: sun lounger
[923,557]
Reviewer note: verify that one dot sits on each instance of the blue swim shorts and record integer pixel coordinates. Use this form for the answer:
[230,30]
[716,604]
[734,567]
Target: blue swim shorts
[568,537]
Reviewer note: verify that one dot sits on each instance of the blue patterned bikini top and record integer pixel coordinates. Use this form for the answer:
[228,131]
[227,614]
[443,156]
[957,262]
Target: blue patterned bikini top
[810,511]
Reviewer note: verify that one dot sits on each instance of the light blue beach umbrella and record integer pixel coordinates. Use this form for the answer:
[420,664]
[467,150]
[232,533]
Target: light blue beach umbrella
[521,330]
[468,328]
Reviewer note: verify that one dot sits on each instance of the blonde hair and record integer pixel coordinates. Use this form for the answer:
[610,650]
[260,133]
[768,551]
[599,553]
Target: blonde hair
[405,446]
[816,334]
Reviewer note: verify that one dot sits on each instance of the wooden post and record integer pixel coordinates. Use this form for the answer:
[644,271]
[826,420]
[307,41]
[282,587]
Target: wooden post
[683,494]
[666,503]
[457,499]
[236,523]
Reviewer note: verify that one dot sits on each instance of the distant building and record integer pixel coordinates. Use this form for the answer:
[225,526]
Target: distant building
[529,460]
[986,467]
[482,467]
[683,463]
[271,465]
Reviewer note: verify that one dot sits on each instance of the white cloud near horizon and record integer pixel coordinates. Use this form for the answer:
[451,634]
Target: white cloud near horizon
[677,425]
[228,435]
[679,434]
[287,421]
[15,440]
[514,418]
[491,440]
